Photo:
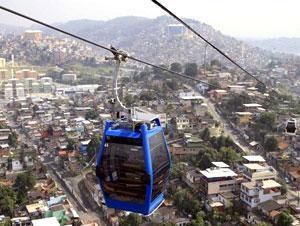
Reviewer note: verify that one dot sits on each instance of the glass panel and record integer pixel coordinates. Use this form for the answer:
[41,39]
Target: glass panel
[122,169]
[160,163]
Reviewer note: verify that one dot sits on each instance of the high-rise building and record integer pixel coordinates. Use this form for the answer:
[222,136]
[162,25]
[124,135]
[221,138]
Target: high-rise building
[20,92]
[4,75]
[33,35]
[8,91]
[2,63]
[47,87]
[28,84]
[26,73]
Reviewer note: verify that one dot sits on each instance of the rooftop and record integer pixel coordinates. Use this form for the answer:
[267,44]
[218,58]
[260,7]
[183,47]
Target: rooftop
[218,172]
[220,164]
[36,206]
[50,221]
[254,158]
[254,166]
[252,105]
[265,184]
[243,113]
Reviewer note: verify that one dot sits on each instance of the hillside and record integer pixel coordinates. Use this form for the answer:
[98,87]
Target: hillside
[279,45]
[149,39]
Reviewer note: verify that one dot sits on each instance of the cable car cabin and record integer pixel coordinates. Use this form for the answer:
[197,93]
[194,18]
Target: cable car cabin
[291,128]
[133,167]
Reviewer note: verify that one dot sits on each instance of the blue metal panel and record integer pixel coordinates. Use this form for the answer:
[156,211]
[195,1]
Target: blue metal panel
[148,206]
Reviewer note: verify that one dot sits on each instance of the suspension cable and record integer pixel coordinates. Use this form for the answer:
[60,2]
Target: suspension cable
[121,53]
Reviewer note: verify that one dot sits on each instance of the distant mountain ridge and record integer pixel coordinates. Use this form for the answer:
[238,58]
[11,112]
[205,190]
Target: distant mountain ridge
[149,39]
[284,45]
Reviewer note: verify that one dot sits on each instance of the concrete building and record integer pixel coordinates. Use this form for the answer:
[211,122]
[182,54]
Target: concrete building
[35,87]
[49,221]
[32,35]
[176,30]
[20,92]
[4,75]
[8,91]
[47,87]
[46,80]
[69,77]
[26,73]
[2,62]
[253,193]
[217,180]
[28,84]
[257,172]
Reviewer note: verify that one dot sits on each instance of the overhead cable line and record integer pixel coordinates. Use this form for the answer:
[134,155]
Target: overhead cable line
[208,42]
[112,50]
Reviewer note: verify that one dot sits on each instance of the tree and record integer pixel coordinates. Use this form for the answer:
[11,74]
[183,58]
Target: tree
[261,87]
[13,139]
[235,102]
[24,183]
[131,220]
[284,219]
[229,155]
[50,130]
[91,114]
[129,100]
[265,122]
[271,144]
[215,62]
[191,69]
[187,202]
[199,221]
[35,108]
[94,145]
[71,144]
[177,67]
[205,134]
[7,200]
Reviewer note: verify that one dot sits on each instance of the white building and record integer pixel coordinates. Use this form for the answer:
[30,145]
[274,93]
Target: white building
[46,80]
[35,87]
[8,91]
[254,193]
[47,87]
[49,221]
[20,92]
[69,77]
[2,62]
[16,165]
[257,172]
[218,179]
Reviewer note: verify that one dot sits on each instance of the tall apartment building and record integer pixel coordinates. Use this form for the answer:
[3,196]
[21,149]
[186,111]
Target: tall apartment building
[26,73]
[32,35]
[2,62]
[14,89]
[4,75]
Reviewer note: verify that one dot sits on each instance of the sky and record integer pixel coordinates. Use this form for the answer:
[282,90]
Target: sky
[238,18]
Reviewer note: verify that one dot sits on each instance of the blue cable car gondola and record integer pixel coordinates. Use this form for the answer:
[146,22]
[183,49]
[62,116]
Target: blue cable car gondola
[133,167]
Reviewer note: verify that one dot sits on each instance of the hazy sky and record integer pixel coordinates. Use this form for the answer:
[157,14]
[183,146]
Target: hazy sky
[239,18]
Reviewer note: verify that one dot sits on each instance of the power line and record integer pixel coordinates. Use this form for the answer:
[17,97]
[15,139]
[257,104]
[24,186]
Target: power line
[113,50]
[204,39]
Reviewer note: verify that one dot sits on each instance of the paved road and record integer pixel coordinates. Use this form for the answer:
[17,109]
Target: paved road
[226,128]
[88,213]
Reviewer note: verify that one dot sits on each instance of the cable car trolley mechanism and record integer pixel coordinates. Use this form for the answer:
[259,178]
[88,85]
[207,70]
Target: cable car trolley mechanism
[133,163]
